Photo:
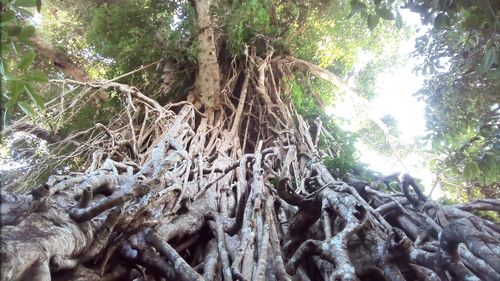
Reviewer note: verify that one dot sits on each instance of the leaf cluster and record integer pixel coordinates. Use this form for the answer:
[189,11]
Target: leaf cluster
[243,20]
[461,62]
[375,11]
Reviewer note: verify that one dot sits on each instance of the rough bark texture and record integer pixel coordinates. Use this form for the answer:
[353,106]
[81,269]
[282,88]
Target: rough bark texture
[238,191]
[207,85]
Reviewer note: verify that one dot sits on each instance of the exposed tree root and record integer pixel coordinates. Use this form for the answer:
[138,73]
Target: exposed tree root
[172,193]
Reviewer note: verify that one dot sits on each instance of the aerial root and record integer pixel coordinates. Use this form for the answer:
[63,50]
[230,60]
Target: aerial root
[218,228]
[211,262]
[100,241]
[321,227]
[146,257]
[87,213]
[184,270]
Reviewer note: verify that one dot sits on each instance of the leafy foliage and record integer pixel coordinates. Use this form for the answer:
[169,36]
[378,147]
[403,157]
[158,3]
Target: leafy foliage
[377,11]
[65,26]
[461,60]
[244,21]
[126,33]
[17,70]
[347,159]
[307,95]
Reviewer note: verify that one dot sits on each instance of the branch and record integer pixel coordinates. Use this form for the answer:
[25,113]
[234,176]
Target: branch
[407,182]
[38,131]
[84,214]
[481,204]
[59,60]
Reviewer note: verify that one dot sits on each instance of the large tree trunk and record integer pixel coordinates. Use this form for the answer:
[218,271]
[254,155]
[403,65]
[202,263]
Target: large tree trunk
[237,191]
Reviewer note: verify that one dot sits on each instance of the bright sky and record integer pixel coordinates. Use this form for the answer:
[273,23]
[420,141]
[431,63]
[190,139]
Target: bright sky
[395,91]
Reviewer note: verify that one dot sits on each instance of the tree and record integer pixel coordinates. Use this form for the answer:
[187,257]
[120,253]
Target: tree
[461,59]
[228,184]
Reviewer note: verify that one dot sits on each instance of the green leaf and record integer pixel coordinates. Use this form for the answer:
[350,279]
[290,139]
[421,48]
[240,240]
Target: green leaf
[467,173]
[15,89]
[441,21]
[475,169]
[491,162]
[433,163]
[494,74]
[351,14]
[26,60]
[473,21]
[39,5]
[296,89]
[384,13]
[26,107]
[7,16]
[34,96]
[8,77]
[39,76]
[358,6]
[13,46]
[25,12]
[26,33]
[25,3]
[2,69]
[399,20]
[372,21]
[490,177]
[471,170]
[489,59]
[4,117]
